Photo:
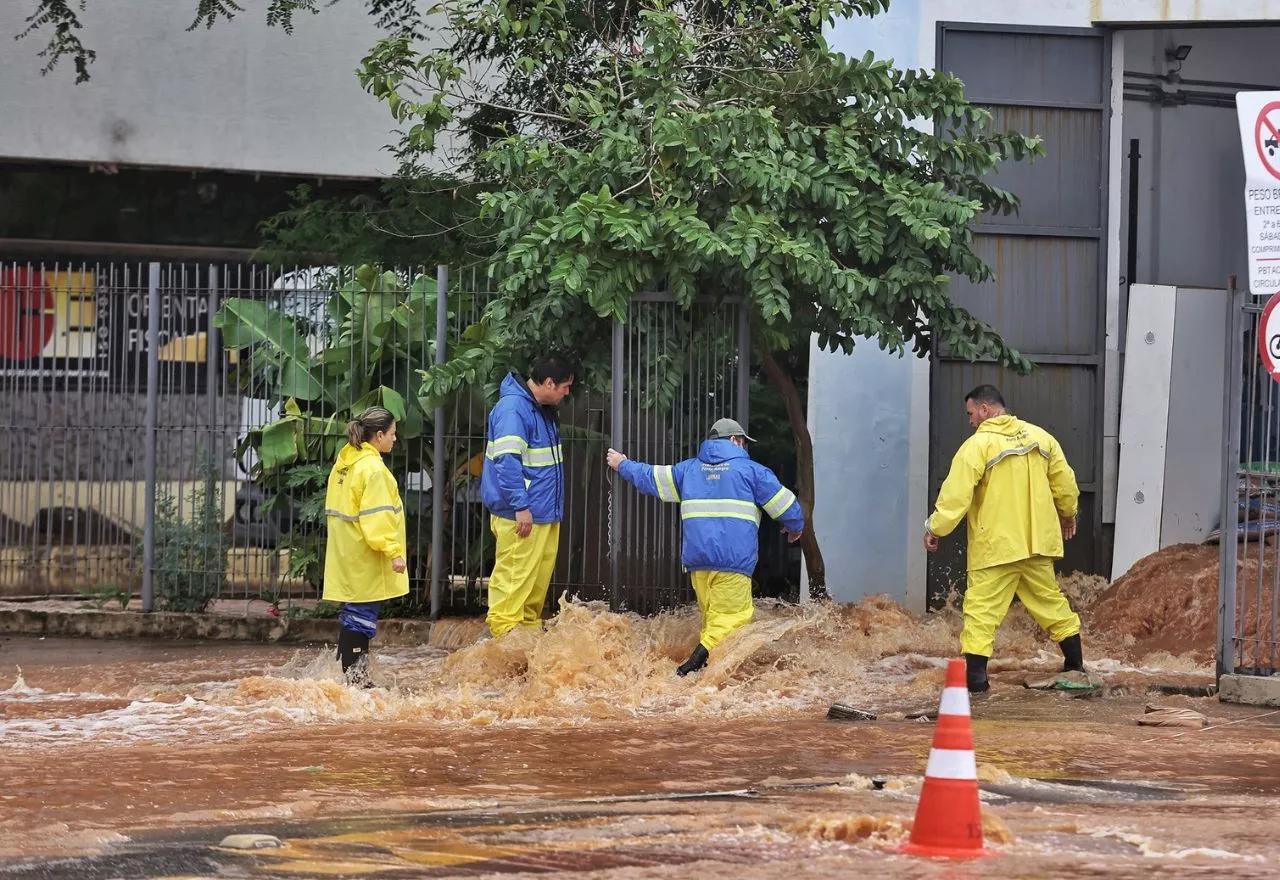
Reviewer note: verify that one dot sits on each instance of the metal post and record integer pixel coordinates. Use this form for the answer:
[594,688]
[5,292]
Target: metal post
[438,475]
[744,365]
[616,441]
[211,363]
[149,436]
[1228,532]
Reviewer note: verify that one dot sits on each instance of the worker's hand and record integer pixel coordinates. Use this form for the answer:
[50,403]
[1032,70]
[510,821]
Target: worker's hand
[1068,527]
[398,565]
[792,537]
[524,523]
[930,541]
[614,458]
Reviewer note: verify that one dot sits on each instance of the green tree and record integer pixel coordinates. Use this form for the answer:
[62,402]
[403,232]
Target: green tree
[718,148]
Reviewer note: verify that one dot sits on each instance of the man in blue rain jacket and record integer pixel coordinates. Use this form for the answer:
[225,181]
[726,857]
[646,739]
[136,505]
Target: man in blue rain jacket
[522,487]
[720,494]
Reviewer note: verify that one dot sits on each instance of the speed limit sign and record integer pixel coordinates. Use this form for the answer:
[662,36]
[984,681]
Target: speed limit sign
[1269,337]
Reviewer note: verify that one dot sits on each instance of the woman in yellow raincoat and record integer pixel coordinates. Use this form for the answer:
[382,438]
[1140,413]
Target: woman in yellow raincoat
[364,562]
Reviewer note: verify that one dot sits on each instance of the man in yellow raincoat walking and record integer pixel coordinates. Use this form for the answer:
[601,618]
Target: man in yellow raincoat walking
[1019,495]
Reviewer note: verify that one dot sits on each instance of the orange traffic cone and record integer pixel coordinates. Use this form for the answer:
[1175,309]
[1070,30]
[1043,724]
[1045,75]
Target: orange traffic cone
[948,818]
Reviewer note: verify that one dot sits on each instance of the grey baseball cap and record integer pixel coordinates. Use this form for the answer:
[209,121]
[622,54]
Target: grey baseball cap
[723,429]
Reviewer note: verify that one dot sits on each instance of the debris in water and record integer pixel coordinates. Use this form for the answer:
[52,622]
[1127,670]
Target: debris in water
[841,712]
[1185,690]
[1065,681]
[1041,682]
[251,841]
[1169,716]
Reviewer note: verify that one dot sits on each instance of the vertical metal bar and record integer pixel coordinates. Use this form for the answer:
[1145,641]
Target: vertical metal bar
[149,435]
[211,359]
[1268,442]
[438,487]
[616,441]
[744,365]
[1227,549]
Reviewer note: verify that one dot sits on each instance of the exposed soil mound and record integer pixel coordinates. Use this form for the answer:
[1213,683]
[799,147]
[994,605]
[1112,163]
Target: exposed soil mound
[1168,602]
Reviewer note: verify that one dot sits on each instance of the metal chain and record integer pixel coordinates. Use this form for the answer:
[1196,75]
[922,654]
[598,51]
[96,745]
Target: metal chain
[609,518]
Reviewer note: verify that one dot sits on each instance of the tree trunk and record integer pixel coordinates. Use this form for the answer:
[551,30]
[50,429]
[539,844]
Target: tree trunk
[814,566]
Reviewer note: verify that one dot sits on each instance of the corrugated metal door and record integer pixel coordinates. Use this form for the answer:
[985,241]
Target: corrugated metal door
[1049,296]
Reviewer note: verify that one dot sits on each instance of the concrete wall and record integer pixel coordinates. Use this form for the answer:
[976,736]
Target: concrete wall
[242,96]
[869,416]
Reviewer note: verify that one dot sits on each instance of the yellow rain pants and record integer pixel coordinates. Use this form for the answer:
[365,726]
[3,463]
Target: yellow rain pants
[521,574]
[724,598]
[990,590]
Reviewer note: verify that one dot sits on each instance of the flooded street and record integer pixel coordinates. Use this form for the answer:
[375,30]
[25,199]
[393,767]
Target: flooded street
[578,751]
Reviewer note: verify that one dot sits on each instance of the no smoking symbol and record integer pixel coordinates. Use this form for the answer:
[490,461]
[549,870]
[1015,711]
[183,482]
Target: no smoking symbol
[1266,137]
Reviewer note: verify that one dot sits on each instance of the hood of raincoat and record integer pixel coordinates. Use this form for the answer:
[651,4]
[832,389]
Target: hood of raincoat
[719,451]
[349,455]
[1005,425]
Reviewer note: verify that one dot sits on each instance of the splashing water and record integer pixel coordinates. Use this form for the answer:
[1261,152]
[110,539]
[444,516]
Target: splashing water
[590,664]
[19,688]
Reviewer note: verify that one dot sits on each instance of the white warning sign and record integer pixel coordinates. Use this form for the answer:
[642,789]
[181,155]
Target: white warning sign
[1259,115]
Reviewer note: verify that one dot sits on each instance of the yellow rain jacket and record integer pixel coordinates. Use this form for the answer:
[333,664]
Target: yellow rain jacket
[366,529]
[1012,481]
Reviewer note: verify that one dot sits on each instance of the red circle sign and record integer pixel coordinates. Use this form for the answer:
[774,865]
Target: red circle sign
[1266,138]
[1269,337]
[27,319]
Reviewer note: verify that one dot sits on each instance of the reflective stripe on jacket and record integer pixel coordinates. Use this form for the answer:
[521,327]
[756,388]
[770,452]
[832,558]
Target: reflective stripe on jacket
[1011,481]
[366,529]
[720,493]
[524,462]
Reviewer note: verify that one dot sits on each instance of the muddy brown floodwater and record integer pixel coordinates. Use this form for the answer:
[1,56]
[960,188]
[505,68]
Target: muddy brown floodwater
[577,751]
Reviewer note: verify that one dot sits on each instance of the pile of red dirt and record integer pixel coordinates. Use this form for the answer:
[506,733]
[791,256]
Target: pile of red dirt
[1168,601]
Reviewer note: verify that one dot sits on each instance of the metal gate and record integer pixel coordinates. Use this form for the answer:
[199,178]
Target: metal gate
[1249,572]
[1048,299]
[124,415]
[674,374]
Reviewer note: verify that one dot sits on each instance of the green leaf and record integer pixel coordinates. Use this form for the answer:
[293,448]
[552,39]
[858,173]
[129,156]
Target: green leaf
[297,381]
[280,443]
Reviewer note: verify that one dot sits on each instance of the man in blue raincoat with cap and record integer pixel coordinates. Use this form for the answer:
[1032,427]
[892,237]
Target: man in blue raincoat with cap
[720,494]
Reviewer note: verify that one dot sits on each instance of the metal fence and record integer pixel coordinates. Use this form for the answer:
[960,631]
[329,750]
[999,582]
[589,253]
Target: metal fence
[1249,575]
[133,432]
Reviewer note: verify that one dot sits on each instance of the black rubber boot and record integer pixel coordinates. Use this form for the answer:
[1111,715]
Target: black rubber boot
[1072,654]
[353,651]
[976,673]
[696,661]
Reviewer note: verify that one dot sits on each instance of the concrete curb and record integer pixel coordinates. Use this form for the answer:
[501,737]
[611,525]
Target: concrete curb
[1250,690]
[171,625]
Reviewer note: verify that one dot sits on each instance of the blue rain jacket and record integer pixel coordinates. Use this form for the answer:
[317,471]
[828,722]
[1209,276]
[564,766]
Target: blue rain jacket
[524,465]
[721,493]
